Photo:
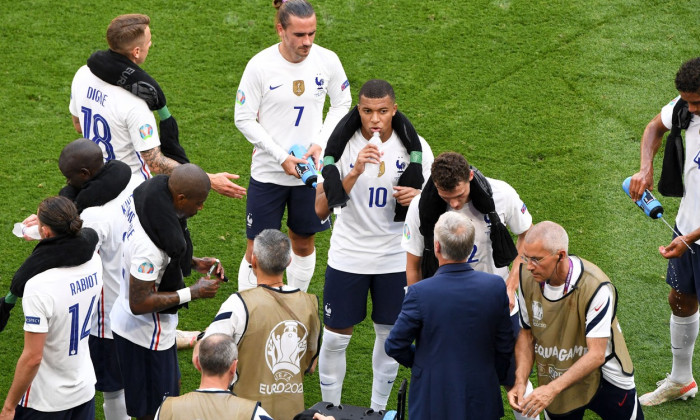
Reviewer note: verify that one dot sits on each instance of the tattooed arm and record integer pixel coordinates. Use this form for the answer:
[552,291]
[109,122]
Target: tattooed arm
[220,182]
[158,162]
[143,297]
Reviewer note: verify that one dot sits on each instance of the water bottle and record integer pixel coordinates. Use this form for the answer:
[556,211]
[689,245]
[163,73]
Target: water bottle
[389,415]
[307,171]
[20,230]
[651,206]
[372,169]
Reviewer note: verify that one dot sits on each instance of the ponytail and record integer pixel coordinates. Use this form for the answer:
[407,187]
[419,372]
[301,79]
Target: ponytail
[61,215]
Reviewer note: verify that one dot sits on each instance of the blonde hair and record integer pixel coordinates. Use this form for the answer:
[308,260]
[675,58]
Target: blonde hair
[125,30]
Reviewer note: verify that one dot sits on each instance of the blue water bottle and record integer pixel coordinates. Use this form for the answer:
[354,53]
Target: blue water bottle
[651,206]
[307,171]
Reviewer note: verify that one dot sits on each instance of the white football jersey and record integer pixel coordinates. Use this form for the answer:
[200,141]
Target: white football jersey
[597,322]
[111,223]
[280,104]
[365,238]
[511,210]
[146,262]
[119,122]
[688,218]
[59,303]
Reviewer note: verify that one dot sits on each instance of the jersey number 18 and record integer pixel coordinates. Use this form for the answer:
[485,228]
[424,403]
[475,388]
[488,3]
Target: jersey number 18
[100,131]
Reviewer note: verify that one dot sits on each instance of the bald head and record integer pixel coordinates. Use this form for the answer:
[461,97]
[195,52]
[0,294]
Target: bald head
[80,160]
[217,353]
[189,186]
[552,236]
[189,179]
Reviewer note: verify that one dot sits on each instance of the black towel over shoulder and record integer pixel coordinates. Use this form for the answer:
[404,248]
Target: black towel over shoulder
[343,132]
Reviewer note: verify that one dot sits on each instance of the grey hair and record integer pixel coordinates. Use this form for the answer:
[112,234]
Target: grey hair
[273,251]
[217,353]
[455,233]
[553,237]
[298,8]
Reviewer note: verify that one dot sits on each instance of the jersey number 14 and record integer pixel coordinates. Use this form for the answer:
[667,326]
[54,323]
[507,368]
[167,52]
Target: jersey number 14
[76,336]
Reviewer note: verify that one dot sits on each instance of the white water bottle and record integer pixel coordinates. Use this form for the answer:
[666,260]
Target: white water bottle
[372,169]
[20,230]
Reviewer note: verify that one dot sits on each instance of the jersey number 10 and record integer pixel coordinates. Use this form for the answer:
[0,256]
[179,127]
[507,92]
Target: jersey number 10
[377,197]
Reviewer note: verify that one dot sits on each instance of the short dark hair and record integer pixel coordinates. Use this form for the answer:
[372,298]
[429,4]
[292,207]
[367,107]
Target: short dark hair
[377,88]
[688,76]
[124,30]
[449,169]
[61,215]
[287,8]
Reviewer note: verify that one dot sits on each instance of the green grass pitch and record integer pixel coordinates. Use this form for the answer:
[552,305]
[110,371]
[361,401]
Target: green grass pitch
[551,96]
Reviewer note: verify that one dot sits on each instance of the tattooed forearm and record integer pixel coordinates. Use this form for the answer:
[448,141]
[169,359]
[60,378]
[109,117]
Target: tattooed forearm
[157,162]
[144,299]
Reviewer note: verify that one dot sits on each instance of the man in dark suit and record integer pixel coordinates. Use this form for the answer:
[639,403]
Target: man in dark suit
[463,335]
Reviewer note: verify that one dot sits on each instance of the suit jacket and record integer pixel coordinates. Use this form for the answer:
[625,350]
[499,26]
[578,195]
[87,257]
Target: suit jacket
[464,340]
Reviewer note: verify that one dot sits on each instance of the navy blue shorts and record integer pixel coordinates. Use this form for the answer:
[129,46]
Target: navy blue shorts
[265,204]
[683,274]
[85,411]
[510,376]
[610,403]
[345,297]
[148,376]
[104,360]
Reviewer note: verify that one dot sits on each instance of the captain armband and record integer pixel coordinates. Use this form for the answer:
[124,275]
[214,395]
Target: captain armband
[416,157]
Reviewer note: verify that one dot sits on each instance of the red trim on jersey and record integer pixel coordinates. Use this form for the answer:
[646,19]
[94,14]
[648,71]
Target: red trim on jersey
[145,170]
[25,398]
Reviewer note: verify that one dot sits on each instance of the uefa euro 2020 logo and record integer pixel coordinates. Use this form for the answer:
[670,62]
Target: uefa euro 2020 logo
[285,347]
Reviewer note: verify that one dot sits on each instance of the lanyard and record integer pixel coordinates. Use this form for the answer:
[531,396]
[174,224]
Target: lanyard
[568,278]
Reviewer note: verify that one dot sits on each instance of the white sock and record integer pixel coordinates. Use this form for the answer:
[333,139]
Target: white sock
[384,367]
[301,270]
[528,391]
[684,331]
[246,276]
[115,406]
[331,365]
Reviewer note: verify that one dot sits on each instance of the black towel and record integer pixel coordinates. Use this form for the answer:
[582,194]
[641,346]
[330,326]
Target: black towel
[431,206]
[154,206]
[671,180]
[105,186]
[343,132]
[118,70]
[59,251]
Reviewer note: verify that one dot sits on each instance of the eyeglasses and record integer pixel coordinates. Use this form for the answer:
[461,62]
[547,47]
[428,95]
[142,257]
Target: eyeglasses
[536,261]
